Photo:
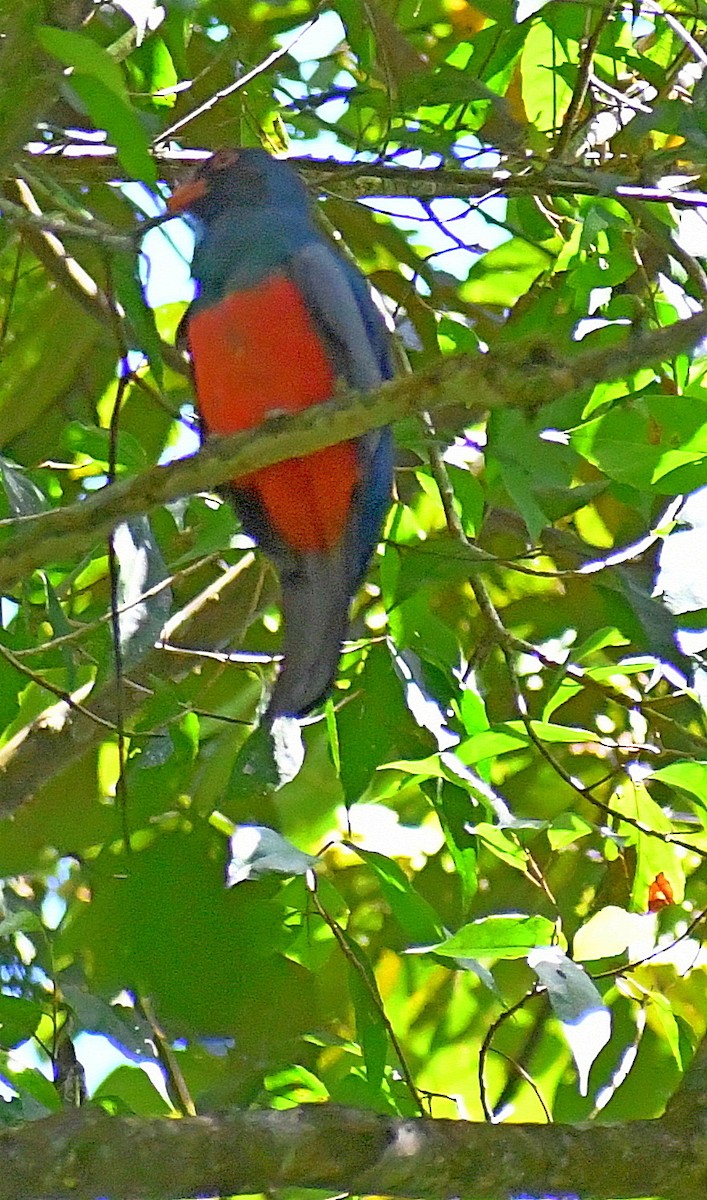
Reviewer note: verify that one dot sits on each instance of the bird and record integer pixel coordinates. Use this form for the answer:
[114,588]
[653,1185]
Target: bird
[280,320]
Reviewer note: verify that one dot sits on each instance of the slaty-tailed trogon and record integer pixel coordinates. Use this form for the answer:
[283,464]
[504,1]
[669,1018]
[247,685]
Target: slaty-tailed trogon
[279,319]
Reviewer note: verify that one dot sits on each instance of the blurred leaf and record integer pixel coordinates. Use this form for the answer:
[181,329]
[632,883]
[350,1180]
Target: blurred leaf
[608,932]
[141,568]
[22,921]
[108,111]
[23,496]
[257,850]
[196,940]
[84,55]
[505,273]
[122,1026]
[19,1019]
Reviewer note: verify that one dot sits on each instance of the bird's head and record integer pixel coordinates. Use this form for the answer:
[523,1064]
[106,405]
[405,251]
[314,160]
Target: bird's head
[240,179]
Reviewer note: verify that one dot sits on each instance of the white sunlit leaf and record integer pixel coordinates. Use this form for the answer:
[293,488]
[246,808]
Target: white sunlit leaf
[257,850]
[586,1022]
[527,8]
[287,748]
[610,931]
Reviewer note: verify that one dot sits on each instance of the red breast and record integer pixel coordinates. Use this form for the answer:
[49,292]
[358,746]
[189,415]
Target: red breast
[257,352]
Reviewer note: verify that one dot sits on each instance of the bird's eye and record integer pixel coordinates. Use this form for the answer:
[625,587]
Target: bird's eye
[223,159]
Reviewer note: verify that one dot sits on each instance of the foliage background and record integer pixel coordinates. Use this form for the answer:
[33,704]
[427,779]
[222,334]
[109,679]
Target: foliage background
[515,729]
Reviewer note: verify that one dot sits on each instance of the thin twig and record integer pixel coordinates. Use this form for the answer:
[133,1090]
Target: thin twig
[91,626]
[236,86]
[579,92]
[373,993]
[698,52]
[60,693]
[176,1083]
[114,578]
[528,1079]
[96,232]
[586,791]
[490,1035]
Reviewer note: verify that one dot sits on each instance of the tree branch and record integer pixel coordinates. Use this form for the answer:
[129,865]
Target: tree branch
[355,180]
[477,383]
[84,1154]
[42,750]
[40,234]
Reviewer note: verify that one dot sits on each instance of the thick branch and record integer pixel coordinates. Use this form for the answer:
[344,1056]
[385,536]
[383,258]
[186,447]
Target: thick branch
[354,180]
[477,383]
[85,1154]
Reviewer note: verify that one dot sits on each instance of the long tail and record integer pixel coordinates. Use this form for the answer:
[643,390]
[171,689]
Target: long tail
[316,594]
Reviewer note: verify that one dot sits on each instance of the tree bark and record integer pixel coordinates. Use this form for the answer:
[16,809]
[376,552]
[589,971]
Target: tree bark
[84,1154]
[523,378]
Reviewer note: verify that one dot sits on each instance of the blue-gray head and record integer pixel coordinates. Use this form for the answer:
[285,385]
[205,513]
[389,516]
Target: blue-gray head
[240,180]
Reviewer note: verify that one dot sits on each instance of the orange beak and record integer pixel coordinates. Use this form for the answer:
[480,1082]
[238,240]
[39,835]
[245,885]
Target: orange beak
[185,195]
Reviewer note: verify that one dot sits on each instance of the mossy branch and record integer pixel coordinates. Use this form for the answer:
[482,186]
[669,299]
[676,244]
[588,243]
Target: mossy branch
[478,383]
[84,1154]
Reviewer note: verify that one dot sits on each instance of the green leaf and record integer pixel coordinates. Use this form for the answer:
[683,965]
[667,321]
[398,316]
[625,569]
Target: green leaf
[689,776]
[470,498]
[546,94]
[451,804]
[19,1019]
[130,1090]
[95,442]
[498,937]
[122,124]
[371,1031]
[566,829]
[416,917]
[504,274]
[654,856]
[84,55]
[152,70]
[378,708]
[656,442]
[38,1095]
